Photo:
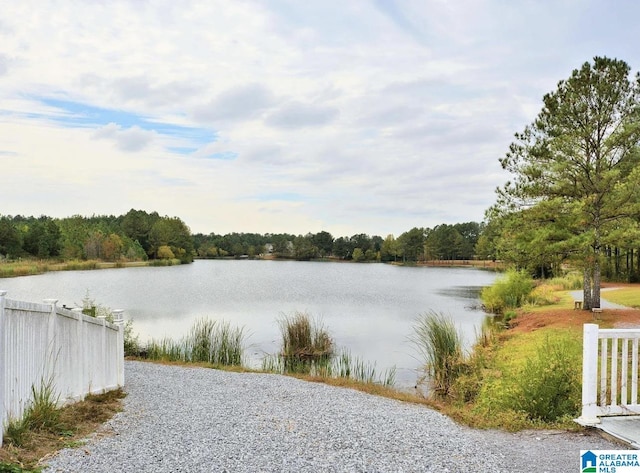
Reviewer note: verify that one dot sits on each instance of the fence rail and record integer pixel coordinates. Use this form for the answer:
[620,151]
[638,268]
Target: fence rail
[79,354]
[609,373]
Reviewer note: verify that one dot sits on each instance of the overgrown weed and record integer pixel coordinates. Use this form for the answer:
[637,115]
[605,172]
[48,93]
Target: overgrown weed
[46,428]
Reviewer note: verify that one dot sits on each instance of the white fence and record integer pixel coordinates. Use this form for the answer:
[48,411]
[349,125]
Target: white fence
[609,373]
[79,354]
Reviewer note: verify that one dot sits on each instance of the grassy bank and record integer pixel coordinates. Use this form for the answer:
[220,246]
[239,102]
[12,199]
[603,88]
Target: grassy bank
[526,371]
[32,267]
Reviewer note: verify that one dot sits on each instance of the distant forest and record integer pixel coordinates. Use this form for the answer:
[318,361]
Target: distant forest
[139,235]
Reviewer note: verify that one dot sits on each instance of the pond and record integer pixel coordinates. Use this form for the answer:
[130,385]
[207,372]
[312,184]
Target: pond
[369,309]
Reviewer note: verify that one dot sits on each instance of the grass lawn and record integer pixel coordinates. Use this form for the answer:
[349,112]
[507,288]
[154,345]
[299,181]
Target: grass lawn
[627,294]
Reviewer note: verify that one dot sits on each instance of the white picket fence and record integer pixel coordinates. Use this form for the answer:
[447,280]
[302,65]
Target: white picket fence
[609,373]
[79,354]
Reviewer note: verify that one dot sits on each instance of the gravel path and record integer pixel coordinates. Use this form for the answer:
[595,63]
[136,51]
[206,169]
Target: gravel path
[179,419]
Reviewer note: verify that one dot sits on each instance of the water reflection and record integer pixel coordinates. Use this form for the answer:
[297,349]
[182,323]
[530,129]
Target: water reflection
[369,309]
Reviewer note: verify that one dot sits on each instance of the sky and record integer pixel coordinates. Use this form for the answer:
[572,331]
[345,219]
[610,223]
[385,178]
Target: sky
[282,115]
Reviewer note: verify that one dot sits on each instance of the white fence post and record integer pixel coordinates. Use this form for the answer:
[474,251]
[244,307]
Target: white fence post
[118,319]
[49,368]
[81,355]
[3,364]
[589,376]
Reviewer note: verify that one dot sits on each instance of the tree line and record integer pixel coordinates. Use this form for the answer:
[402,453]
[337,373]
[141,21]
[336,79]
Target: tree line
[140,235]
[443,242]
[135,236]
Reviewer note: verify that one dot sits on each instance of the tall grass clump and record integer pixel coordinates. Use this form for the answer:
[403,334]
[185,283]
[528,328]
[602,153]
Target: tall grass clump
[507,292]
[438,342]
[355,368]
[208,341]
[165,349]
[569,282]
[215,342]
[304,338]
[79,265]
[42,414]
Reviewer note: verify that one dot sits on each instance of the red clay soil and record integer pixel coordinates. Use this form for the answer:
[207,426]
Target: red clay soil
[565,318]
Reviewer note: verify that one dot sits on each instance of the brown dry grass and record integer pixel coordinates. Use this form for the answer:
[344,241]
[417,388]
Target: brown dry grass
[77,422]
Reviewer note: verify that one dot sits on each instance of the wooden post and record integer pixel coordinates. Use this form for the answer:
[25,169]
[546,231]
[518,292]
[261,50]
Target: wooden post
[589,376]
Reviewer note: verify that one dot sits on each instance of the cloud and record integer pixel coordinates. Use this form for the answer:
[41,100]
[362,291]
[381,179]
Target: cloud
[361,116]
[4,65]
[140,89]
[299,115]
[128,139]
[238,103]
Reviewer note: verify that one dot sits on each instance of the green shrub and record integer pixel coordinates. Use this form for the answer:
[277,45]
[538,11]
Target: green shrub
[551,382]
[438,342]
[546,387]
[508,292]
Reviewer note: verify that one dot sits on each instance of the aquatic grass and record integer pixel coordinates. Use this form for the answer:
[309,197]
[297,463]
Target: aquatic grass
[487,334]
[208,341]
[437,341]
[78,265]
[303,337]
[307,348]
[22,268]
[165,262]
[165,349]
[340,366]
[345,365]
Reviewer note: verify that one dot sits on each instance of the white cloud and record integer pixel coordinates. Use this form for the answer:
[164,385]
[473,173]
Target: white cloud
[242,102]
[130,139]
[299,115]
[380,116]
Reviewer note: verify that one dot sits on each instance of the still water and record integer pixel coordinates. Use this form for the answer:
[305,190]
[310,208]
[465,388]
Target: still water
[369,309]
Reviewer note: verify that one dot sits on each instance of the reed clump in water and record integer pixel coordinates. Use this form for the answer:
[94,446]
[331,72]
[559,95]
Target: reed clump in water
[437,340]
[304,338]
[209,341]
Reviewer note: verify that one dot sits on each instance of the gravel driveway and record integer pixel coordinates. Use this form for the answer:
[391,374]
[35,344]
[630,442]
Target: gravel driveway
[178,419]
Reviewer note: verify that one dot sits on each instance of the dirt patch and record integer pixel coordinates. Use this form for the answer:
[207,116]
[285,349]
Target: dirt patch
[568,318]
